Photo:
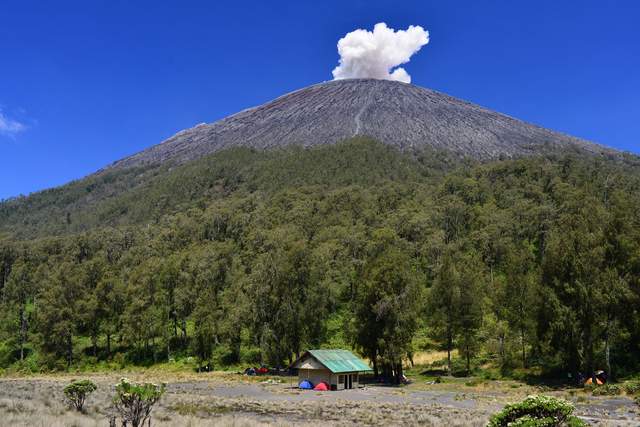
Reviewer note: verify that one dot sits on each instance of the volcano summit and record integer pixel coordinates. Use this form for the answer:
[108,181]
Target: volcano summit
[398,114]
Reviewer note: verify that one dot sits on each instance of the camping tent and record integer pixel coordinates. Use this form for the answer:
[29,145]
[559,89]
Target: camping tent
[305,385]
[321,386]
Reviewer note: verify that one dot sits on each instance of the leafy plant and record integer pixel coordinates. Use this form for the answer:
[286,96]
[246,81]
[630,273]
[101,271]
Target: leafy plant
[134,401]
[632,388]
[606,390]
[77,392]
[537,411]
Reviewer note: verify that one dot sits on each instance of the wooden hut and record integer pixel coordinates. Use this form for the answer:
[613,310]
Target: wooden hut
[340,369]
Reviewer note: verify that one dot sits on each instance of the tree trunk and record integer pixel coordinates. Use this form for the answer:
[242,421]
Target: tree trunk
[376,374]
[94,344]
[524,350]
[175,325]
[399,372]
[449,346]
[69,350]
[589,357]
[491,275]
[108,345]
[607,350]
[23,328]
[468,359]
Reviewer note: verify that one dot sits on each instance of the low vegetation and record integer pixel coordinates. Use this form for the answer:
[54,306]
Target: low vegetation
[537,411]
[518,266]
[607,390]
[76,393]
[134,401]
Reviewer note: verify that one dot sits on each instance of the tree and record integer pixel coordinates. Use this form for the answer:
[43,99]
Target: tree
[280,289]
[575,273]
[18,291]
[387,305]
[454,306]
[519,298]
[135,401]
[110,298]
[90,316]
[77,392]
[57,315]
[442,306]
[211,271]
[469,311]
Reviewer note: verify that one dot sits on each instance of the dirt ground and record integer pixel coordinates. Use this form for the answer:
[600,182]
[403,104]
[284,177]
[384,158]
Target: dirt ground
[234,400]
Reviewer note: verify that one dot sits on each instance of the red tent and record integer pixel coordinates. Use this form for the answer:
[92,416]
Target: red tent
[321,386]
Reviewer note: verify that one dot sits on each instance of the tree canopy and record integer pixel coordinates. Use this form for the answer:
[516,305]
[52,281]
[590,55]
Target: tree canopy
[248,257]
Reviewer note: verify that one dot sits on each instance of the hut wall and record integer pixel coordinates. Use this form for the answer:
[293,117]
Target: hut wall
[315,375]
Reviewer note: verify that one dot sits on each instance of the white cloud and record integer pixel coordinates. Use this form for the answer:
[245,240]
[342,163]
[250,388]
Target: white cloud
[378,53]
[10,127]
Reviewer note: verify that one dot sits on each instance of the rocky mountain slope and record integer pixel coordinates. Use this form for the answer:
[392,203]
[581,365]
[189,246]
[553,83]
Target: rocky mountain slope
[398,114]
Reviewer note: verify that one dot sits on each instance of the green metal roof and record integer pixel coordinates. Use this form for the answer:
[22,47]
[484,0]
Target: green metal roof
[338,361]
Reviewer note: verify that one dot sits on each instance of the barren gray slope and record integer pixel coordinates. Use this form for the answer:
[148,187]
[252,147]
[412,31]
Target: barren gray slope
[399,114]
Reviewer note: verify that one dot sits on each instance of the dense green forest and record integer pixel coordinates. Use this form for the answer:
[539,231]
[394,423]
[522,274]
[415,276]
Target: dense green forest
[252,257]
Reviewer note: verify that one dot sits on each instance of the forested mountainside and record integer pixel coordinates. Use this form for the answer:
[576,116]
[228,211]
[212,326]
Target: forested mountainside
[139,195]
[253,256]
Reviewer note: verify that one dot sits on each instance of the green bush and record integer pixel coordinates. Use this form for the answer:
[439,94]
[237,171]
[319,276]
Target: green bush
[459,367]
[250,355]
[76,393]
[632,388]
[536,411]
[135,401]
[606,390]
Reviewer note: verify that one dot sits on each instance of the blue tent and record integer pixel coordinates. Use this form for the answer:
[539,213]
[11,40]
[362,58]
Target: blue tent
[305,385]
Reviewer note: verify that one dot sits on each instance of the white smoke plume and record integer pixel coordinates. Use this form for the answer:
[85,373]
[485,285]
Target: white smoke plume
[377,54]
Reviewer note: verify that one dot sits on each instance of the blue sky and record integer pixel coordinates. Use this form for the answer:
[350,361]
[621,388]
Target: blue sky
[85,83]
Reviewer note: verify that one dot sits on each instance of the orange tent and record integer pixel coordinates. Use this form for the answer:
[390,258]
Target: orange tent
[321,386]
[590,381]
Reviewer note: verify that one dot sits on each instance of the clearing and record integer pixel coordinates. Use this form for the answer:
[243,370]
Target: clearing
[223,399]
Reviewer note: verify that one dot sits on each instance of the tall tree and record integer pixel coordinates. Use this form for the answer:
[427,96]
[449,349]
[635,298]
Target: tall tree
[17,293]
[388,305]
[58,316]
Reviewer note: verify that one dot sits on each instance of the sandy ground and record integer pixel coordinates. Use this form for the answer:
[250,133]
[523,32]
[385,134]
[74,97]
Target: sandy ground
[212,400]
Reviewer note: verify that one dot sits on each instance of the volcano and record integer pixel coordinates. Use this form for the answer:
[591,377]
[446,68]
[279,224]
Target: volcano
[398,114]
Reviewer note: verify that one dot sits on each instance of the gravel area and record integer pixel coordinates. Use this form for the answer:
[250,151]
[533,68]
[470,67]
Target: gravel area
[220,402]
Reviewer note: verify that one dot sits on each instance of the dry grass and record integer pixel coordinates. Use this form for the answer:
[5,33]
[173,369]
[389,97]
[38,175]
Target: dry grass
[219,399]
[430,357]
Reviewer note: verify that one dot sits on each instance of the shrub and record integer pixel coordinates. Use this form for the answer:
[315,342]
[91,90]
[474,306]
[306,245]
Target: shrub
[76,393]
[536,411]
[606,390]
[632,388]
[135,401]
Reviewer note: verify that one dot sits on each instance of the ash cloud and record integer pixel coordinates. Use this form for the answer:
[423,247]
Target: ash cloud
[377,54]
